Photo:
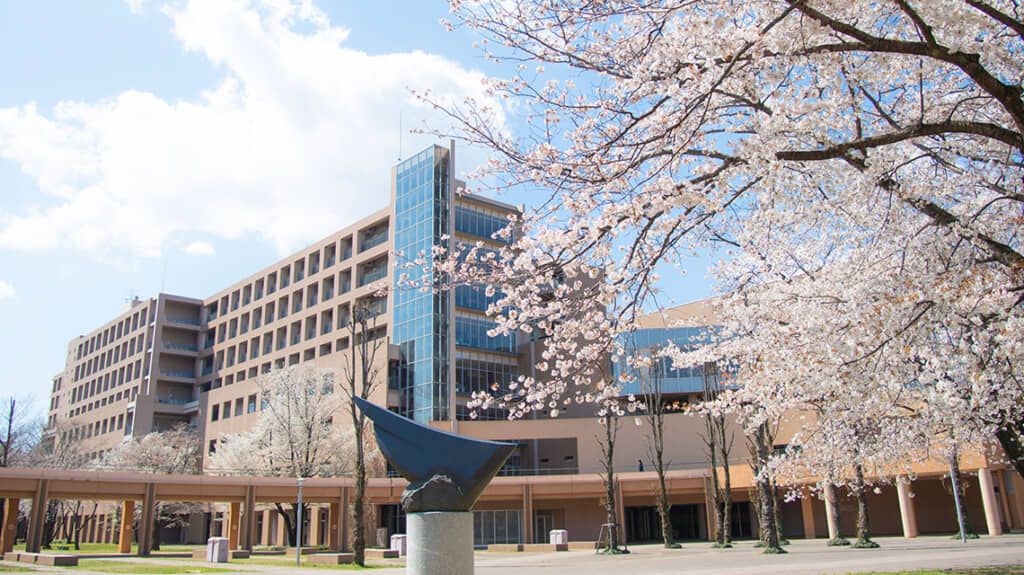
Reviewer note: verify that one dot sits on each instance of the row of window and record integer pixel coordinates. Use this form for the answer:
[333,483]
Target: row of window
[242,405]
[106,400]
[309,354]
[114,423]
[311,296]
[480,222]
[113,333]
[113,355]
[471,331]
[109,380]
[299,269]
[312,327]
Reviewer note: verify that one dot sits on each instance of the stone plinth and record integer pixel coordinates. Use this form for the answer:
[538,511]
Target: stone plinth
[440,543]
[400,543]
[217,550]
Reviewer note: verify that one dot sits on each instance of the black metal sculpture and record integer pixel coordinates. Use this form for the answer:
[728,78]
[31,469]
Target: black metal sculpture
[446,472]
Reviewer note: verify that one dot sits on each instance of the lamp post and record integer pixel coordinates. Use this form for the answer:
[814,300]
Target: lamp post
[298,525]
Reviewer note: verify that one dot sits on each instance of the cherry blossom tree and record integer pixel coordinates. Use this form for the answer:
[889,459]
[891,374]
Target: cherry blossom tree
[294,435]
[859,164]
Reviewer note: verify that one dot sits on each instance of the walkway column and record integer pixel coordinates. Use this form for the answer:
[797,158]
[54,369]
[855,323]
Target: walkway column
[907,513]
[124,543]
[337,522]
[249,519]
[807,510]
[528,534]
[314,526]
[146,520]
[36,517]
[709,509]
[831,511]
[234,519]
[990,501]
[9,530]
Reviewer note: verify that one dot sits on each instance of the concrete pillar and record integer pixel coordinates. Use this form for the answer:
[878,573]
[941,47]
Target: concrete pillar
[146,520]
[234,521]
[91,531]
[124,543]
[9,530]
[264,535]
[430,554]
[807,510]
[282,537]
[314,526]
[990,502]
[831,511]
[907,513]
[249,534]
[709,508]
[34,539]
[528,535]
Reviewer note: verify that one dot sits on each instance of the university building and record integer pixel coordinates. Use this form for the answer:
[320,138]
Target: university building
[173,359]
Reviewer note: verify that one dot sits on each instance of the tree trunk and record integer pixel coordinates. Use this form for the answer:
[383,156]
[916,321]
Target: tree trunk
[726,493]
[765,499]
[289,524]
[832,513]
[1011,439]
[961,499]
[358,529]
[608,450]
[664,511]
[777,507]
[863,521]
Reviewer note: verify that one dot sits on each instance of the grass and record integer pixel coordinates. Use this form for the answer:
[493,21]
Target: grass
[107,548]
[1009,570]
[290,562]
[13,569]
[123,566]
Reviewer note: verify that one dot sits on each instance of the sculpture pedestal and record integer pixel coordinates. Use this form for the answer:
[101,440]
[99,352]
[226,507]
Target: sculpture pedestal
[440,543]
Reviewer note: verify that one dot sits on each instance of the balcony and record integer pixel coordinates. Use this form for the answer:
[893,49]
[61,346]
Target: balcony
[186,321]
[188,349]
[177,375]
[172,406]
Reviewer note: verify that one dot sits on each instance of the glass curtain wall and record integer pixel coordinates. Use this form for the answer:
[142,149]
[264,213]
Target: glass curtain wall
[421,316]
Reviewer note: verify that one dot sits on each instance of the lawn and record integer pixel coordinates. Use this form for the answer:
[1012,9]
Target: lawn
[14,569]
[1009,570]
[107,548]
[281,561]
[125,566]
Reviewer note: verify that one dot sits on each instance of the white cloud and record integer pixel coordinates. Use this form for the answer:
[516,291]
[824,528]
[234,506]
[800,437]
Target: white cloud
[200,249]
[6,290]
[294,142]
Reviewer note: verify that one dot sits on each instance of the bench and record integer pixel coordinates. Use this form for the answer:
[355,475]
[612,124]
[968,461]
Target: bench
[331,558]
[505,547]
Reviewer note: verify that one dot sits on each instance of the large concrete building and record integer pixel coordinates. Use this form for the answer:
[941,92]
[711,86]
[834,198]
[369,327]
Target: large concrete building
[171,360]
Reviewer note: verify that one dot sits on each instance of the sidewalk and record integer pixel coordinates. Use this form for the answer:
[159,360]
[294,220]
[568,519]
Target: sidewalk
[805,557]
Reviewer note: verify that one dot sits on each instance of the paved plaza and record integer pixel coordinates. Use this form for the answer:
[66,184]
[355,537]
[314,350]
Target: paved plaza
[810,557]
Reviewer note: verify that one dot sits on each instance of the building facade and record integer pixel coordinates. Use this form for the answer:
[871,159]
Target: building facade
[173,360]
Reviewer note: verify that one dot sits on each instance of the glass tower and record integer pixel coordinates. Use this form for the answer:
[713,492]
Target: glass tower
[422,317]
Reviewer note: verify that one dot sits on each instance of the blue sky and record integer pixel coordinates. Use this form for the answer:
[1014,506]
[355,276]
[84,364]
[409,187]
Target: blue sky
[177,147]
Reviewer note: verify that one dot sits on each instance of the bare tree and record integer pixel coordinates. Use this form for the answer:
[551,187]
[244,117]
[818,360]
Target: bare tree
[718,440]
[20,432]
[654,414]
[361,374]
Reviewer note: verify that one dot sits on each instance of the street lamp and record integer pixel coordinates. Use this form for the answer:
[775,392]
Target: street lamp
[298,525]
